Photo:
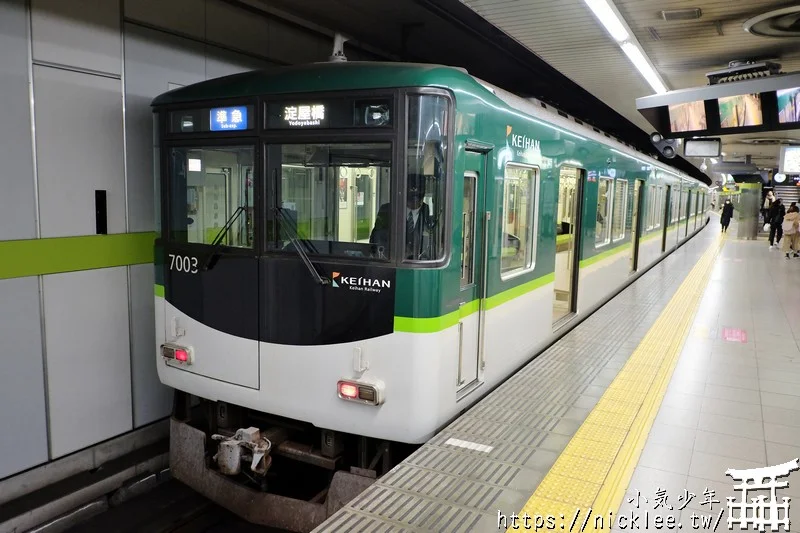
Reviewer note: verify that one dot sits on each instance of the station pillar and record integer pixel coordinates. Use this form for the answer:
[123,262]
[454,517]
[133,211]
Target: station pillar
[749,209]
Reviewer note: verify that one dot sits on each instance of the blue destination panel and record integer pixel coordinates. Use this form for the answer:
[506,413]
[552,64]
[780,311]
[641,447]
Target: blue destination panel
[229,118]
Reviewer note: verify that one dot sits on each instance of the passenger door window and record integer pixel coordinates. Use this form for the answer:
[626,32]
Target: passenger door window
[468,231]
[604,203]
[618,228]
[211,187]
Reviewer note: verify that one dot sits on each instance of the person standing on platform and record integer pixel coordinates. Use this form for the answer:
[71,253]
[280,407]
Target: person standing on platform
[767,204]
[791,231]
[727,215]
[776,214]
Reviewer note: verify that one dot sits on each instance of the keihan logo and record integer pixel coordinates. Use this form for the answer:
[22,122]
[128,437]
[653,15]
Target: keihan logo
[359,284]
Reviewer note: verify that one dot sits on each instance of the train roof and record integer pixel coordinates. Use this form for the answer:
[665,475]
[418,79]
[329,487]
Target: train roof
[332,76]
[355,75]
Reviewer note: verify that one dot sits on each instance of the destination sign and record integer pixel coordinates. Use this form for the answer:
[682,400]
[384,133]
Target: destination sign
[228,118]
[304,115]
[346,112]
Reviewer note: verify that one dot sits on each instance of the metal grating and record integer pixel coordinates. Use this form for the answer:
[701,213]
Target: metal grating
[521,427]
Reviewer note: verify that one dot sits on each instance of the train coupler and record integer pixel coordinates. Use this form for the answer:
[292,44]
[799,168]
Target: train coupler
[245,445]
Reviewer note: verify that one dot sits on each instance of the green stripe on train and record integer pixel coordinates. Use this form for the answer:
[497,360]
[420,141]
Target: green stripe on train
[36,257]
[440,323]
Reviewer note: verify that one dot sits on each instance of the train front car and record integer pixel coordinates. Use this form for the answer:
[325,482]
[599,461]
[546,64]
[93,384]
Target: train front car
[298,213]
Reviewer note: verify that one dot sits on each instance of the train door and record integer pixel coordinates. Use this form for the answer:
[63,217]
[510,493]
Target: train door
[209,264]
[665,218]
[474,222]
[688,212]
[636,224]
[566,260]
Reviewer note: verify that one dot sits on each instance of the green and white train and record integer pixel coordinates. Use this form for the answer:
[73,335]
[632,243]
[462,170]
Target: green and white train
[362,250]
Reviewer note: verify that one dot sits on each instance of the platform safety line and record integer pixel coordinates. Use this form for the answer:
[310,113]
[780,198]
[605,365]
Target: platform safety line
[594,470]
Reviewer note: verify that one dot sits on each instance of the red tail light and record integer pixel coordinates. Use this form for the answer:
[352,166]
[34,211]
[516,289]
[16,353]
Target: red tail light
[368,393]
[348,390]
[179,354]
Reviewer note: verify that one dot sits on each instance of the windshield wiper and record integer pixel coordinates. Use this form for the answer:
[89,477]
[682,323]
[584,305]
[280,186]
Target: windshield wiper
[217,242]
[295,238]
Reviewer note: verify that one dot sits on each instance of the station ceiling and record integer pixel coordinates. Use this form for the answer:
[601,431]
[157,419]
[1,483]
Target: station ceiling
[701,36]
[523,46]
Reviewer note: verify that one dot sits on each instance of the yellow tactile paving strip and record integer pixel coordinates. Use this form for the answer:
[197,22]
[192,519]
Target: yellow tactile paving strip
[594,470]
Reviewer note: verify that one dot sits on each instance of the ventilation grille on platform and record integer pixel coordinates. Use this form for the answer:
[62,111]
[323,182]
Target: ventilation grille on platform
[681,14]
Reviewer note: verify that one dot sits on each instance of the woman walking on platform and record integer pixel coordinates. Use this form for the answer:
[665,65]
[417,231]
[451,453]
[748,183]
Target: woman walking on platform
[791,231]
[727,215]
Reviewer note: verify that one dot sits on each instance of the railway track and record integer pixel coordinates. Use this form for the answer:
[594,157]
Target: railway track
[172,507]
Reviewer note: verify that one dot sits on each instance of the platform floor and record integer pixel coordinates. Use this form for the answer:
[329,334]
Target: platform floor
[692,370]
[734,398]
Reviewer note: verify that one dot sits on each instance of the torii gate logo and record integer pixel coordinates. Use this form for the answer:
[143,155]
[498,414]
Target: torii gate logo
[761,513]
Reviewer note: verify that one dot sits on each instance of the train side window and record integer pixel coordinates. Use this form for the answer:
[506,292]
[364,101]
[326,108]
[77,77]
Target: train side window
[211,187]
[621,211]
[602,233]
[518,221]
[425,208]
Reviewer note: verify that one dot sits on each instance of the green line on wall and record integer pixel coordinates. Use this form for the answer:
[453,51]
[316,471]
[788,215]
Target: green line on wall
[36,257]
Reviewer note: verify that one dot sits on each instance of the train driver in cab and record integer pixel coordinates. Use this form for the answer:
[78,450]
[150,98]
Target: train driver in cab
[419,226]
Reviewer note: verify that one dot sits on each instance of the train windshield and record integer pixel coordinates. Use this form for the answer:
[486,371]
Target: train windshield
[331,194]
[211,193]
[337,197]
[369,194]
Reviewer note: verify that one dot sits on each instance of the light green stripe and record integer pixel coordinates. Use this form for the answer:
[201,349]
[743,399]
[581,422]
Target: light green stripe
[440,323]
[608,253]
[469,308]
[426,325]
[519,290]
[36,257]
[160,291]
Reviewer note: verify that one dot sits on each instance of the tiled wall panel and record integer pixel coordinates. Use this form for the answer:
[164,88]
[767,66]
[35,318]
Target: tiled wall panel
[23,419]
[88,357]
[17,201]
[79,150]
[78,33]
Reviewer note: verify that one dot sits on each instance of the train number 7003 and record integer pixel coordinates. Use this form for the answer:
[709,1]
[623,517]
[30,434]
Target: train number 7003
[183,263]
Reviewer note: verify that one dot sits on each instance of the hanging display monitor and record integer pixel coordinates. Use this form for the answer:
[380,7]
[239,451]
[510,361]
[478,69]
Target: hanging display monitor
[789,105]
[740,111]
[759,102]
[689,116]
[790,160]
[702,147]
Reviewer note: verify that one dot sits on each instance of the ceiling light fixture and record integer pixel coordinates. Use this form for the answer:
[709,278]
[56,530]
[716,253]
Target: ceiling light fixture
[607,16]
[643,66]
[612,21]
